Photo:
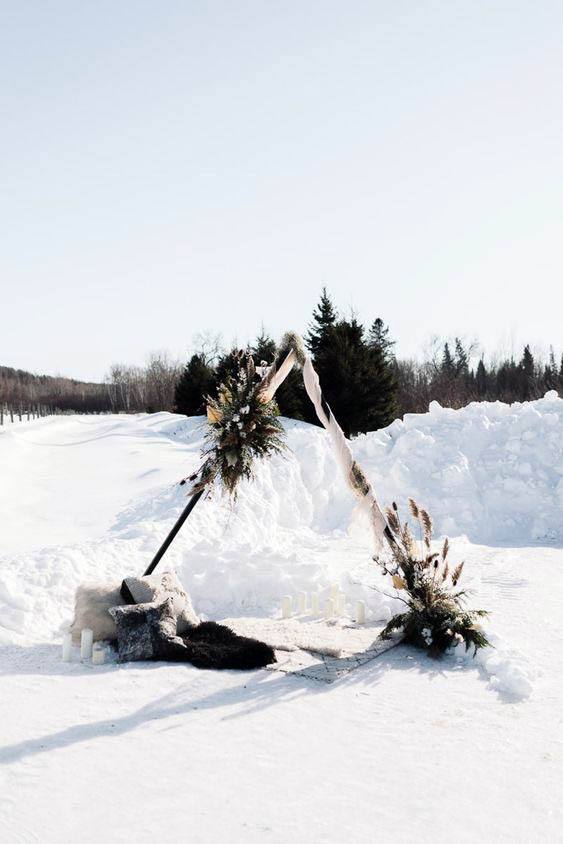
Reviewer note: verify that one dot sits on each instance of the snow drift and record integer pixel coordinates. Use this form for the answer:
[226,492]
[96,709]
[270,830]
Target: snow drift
[492,472]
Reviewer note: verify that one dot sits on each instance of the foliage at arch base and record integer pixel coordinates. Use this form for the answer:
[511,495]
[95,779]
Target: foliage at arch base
[436,618]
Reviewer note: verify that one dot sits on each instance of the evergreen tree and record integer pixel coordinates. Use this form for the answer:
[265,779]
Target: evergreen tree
[481,379]
[357,380]
[527,370]
[264,349]
[551,376]
[342,365]
[196,382]
[378,338]
[448,365]
[382,377]
[324,320]
[508,381]
[383,407]
[461,358]
[321,340]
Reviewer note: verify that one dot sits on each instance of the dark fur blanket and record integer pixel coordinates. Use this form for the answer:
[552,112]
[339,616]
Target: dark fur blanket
[211,645]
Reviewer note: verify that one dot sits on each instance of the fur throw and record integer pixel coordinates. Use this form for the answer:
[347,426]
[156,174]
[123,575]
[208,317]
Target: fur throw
[158,587]
[92,604]
[212,645]
[142,628]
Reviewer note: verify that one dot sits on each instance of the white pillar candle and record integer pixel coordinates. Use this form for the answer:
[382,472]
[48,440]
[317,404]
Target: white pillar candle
[360,612]
[86,640]
[342,604]
[329,608]
[286,606]
[334,591]
[98,654]
[315,603]
[302,602]
[67,647]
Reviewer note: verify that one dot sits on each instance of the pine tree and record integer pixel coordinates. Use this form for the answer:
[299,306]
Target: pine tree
[378,338]
[551,376]
[448,366]
[461,358]
[508,381]
[321,340]
[382,377]
[196,382]
[527,370]
[324,319]
[264,349]
[342,365]
[481,379]
[357,381]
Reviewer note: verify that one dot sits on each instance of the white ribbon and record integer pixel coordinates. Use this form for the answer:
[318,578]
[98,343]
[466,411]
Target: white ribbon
[340,444]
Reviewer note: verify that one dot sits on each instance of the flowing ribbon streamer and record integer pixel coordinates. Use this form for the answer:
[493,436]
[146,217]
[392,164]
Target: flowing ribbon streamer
[293,352]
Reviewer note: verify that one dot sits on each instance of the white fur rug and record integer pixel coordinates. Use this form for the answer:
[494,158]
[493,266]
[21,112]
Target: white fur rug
[320,650]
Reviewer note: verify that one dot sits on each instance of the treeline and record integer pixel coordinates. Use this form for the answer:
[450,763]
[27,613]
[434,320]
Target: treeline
[128,389]
[366,384]
[450,379]
[20,391]
[132,389]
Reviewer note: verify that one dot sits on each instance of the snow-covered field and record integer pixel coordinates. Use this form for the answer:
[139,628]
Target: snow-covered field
[403,749]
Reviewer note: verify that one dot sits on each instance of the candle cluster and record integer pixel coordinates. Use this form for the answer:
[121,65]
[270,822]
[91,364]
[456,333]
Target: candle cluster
[88,650]
[335,606]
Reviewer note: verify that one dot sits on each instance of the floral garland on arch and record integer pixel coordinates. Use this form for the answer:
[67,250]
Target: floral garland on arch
[243,427]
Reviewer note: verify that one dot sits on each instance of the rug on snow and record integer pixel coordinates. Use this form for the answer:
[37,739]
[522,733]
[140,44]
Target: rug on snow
[320,650]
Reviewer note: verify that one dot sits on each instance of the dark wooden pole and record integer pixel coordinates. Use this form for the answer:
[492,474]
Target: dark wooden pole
[170,538]
[125,593]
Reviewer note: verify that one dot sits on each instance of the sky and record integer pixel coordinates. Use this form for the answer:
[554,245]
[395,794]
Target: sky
[180,167]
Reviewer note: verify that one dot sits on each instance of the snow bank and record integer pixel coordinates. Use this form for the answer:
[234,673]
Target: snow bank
[492,472]
[508,669]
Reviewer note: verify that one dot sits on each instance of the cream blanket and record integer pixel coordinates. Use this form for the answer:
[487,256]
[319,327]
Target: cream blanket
[320,650]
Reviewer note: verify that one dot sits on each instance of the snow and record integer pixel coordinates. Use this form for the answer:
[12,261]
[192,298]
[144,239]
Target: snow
[403,748]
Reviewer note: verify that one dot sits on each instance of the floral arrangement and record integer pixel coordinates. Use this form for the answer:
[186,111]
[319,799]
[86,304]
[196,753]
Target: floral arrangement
[425,581]
[243,426]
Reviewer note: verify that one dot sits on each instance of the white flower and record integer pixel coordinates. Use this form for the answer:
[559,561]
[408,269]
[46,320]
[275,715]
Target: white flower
[236,417]
[232,458]
[426,634]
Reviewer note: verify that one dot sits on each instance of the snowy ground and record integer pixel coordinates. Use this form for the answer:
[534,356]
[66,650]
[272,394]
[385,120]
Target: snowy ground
[403,749]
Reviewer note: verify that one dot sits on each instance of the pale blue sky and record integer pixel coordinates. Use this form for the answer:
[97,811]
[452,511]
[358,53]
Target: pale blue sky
[173,167]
